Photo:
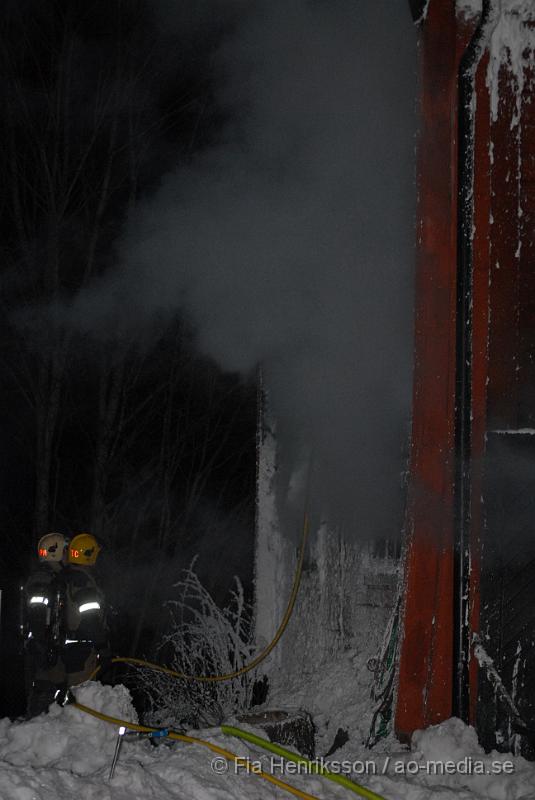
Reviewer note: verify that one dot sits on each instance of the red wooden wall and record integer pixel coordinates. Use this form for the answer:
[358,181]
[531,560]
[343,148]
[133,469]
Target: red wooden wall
[503,344]
[426,657]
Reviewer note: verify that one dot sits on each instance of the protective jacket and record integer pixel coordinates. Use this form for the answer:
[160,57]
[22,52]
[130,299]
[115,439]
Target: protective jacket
[84,607]
[65,630]
[42,612]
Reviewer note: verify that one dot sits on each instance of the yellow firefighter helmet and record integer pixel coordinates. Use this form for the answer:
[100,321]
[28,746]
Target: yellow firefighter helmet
[83,550]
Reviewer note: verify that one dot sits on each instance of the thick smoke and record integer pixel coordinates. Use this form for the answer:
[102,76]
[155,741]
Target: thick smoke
[290,244]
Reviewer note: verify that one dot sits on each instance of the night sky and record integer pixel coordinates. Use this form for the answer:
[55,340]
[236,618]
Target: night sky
[131,434]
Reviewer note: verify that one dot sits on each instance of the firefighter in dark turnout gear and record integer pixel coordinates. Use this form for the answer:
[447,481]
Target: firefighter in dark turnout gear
[41,607]
[65,627]
[86,631]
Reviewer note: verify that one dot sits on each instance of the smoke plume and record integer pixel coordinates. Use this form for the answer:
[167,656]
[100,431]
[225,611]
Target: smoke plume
[290,243]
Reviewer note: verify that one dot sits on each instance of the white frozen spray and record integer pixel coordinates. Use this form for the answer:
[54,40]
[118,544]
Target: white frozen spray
[511,47]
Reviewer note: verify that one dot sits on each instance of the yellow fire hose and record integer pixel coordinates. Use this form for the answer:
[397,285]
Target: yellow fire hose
[247,667]
[232,757]
[179,737]
[296,758]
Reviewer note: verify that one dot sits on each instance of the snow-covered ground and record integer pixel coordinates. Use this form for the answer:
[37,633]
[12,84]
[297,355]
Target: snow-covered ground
[66,754]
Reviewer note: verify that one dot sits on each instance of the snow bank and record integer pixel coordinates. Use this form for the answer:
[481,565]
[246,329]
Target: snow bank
[65,754]
[64,737]
[455,742]
[451,740]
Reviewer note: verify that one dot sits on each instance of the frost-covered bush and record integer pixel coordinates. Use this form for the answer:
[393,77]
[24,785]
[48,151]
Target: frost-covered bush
[202,639]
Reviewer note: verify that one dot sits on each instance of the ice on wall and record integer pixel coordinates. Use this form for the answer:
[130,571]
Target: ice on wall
[342,610]
[423,15]
[338,624]
[511,47]
[339,620]
[271,551]
[515,432]
[468,8]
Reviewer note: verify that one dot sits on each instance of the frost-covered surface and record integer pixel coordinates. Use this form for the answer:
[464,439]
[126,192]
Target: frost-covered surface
[423,15]
[65,754]
[510,35]
[468,8]
[515,432]
[336,692]
[342,613]
[511,47]
[342,610]
[270,550]
[202,638]
[339,620]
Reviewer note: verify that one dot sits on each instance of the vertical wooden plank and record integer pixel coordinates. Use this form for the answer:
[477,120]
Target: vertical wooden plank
[426,657]
[480,329]
[504,288]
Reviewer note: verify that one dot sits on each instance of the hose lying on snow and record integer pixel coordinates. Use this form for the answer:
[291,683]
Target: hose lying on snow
[249,737]
[312,766]
[180,737]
